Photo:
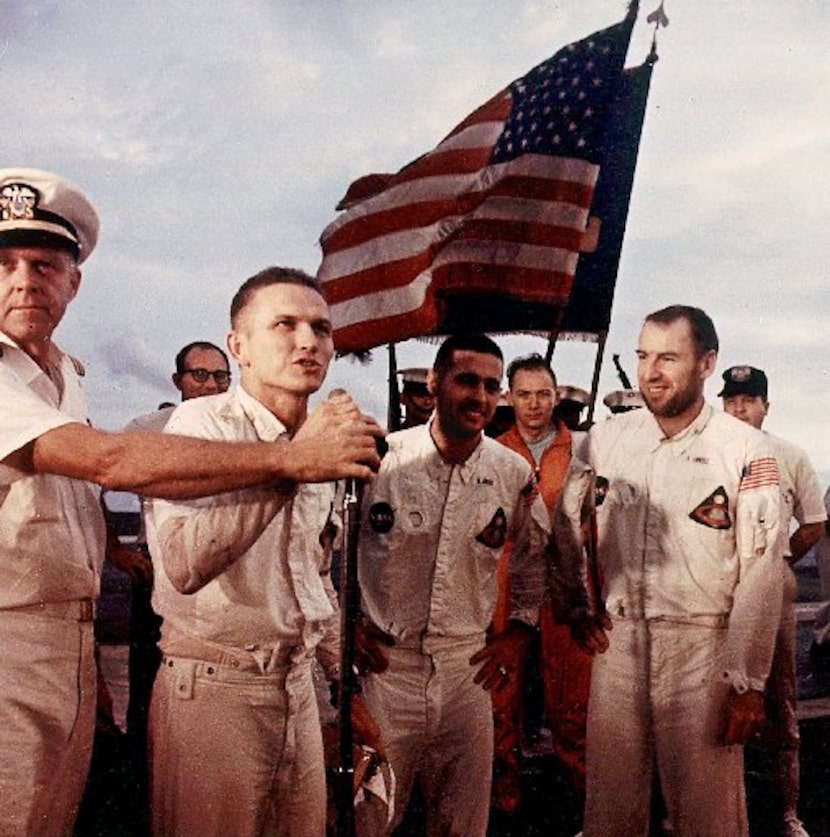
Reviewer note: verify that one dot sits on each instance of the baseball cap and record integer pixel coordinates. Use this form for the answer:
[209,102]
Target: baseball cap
[744,380]
[42,209]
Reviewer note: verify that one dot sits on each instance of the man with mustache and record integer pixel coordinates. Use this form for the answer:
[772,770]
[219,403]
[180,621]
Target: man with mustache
[434,523]
[692,585]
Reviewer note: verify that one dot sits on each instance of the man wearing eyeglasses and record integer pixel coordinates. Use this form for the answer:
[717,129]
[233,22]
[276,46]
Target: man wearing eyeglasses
[52,530]
[201,369]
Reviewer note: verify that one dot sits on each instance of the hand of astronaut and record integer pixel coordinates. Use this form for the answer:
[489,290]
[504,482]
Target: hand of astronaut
[743,714]
[132,562]
[502,657]
[368,652]
[336,441]
[365,729]
[590,632]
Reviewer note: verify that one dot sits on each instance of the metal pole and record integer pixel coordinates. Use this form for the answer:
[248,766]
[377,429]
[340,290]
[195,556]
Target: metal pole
[393,412]
[349,608]
[601,338]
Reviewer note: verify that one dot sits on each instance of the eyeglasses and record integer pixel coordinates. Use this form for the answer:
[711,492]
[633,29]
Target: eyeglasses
[201,375]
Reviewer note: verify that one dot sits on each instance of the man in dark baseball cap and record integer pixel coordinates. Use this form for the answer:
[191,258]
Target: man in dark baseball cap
[744,396]
[744,380]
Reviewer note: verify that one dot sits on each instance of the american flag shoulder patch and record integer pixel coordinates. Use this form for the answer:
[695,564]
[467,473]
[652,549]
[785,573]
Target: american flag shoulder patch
[760,473]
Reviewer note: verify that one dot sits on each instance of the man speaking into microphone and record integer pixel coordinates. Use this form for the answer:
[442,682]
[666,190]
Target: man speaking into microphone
[244,589]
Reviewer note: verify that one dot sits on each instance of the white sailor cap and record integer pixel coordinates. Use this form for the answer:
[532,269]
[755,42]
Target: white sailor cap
[41,209]
[576,394]
[415,377]
[623,399]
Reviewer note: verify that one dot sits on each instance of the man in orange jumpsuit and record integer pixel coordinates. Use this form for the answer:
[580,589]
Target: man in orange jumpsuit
[545,442]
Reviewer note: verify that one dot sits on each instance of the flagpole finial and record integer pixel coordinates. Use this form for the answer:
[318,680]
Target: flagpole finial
[658,17]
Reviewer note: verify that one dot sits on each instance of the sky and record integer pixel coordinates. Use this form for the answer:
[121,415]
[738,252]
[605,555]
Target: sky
[216,139]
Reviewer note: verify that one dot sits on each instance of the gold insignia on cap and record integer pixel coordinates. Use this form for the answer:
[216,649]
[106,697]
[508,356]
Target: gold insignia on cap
[739,374]
[17,200]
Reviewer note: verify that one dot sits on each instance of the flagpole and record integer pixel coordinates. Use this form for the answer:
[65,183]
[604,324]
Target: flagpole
[552,338]
[393,410]
[601,339]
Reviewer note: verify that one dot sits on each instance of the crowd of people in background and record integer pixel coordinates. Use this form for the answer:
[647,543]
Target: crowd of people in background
[621,589]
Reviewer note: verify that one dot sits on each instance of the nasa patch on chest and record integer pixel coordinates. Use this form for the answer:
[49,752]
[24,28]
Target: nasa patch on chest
[381,518]
[713,511]
[495,532]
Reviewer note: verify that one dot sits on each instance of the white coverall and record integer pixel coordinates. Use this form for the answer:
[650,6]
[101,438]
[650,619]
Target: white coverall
[692,581]
[431,535]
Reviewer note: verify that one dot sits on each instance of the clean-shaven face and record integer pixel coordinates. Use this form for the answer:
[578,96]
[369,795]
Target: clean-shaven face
[283,340]
[533,397]
[197,362]
[36,286]
[749,408]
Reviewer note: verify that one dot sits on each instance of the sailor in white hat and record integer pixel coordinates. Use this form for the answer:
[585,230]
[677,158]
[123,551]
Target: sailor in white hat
[572,401]
[623,400]
[416,399]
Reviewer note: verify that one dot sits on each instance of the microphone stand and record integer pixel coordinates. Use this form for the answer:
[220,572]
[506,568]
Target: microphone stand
[348,686]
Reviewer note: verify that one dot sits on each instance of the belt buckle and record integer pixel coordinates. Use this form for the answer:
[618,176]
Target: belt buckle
[85,610]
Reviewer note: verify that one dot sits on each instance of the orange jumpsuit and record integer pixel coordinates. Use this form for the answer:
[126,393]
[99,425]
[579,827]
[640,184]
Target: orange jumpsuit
[565,668]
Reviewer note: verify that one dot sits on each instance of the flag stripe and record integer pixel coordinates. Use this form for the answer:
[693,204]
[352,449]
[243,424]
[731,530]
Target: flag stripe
[554,188]
[398,263]
[468,275]
[577,179]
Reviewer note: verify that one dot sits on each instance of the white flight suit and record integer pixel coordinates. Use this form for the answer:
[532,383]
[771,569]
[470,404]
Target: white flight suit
[692,581]
[430,540]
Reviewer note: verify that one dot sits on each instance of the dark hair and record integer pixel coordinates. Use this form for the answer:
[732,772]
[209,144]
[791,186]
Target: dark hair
[529,363]
[266,278]
[181,357]
[464,343]
[703,331]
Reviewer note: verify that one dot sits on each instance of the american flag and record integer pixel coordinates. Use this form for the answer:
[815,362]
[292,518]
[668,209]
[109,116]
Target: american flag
[497,210]
[760,473]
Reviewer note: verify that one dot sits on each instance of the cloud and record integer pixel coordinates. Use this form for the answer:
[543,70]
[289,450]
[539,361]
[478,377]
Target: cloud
[217,138]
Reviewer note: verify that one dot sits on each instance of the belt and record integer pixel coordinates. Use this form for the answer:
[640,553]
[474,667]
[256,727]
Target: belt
[78,610]
[243,660]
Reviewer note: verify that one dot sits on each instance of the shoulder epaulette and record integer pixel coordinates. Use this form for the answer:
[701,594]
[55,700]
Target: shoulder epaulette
[80,371]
